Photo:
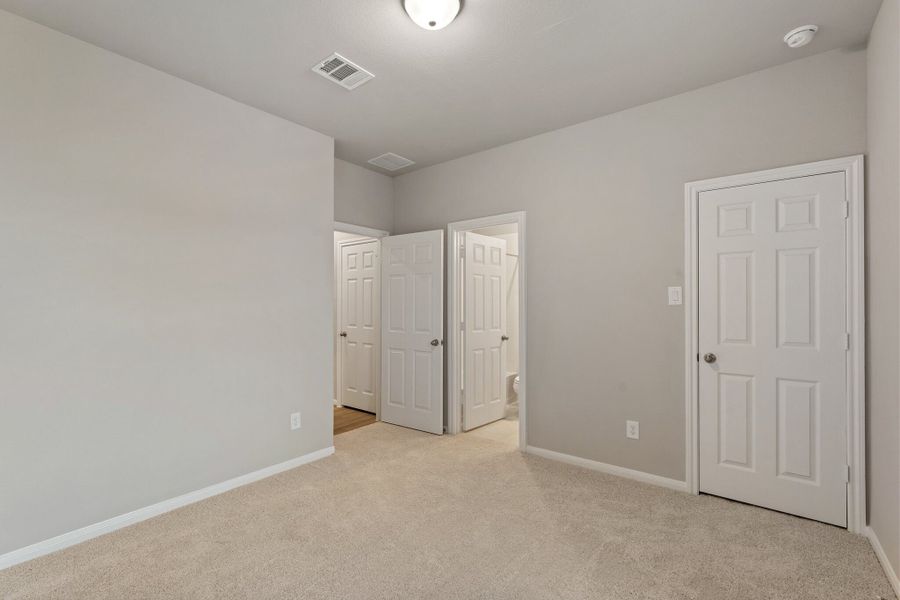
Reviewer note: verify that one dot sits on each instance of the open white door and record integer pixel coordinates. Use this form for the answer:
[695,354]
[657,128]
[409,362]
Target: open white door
[359,322]
[484,330]
[773,345]
[412,340]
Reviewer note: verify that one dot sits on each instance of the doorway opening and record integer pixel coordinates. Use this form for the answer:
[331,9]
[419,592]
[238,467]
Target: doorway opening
[486,325]
[357,326]
[774,345]
[388,324]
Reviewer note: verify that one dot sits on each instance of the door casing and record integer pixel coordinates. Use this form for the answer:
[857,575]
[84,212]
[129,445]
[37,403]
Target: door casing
[454,318]
[852,168]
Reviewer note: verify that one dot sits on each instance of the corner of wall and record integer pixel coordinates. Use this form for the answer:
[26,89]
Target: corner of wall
[394,204]
[883,286]
[884,560]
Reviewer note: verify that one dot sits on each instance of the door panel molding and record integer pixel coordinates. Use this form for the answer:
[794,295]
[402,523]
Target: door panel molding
[772,308]
[484,310]
[412,307]
[794,213]
[350,350]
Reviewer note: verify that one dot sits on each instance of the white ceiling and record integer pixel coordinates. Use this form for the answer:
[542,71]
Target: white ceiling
[504,70]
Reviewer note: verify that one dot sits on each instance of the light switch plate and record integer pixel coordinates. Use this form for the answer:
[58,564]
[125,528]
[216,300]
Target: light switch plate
[295,421]
[632,430]
[675,296]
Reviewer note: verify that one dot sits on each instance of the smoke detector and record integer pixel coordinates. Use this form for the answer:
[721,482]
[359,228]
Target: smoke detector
[391,162]
[797,38]
[343,72]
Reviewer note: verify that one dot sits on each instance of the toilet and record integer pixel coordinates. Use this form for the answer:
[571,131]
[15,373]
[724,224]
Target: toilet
[512,395]
[512,387]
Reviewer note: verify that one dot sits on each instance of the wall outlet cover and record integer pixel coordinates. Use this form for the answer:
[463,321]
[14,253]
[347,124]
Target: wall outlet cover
[632,430]
[295,421]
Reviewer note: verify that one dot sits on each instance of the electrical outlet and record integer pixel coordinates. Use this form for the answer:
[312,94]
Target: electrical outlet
[632,430]
[295,421]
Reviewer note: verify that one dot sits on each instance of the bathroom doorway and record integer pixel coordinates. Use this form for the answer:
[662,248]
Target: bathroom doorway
[487,320]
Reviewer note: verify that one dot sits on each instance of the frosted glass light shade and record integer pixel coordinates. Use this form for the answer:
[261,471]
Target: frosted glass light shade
[432,14]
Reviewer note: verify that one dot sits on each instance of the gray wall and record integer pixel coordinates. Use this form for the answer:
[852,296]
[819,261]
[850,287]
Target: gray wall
[605,237]
[883,252]
[363,197]
[165,259]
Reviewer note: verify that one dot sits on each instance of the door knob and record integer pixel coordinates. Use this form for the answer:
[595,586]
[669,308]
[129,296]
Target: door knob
[504,338]
[343,334]
[709,357]
[435,342]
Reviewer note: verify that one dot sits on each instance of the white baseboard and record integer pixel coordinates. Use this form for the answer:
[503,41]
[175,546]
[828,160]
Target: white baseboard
[883,559]
[672,484]
[136,516]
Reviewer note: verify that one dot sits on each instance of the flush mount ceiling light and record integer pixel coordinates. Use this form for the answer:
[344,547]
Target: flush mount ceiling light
[432,14]
[797,38]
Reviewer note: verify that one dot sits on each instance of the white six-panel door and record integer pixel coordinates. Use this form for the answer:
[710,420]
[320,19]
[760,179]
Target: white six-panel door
[773,340]
[412,330]
[484,326]
[359,322]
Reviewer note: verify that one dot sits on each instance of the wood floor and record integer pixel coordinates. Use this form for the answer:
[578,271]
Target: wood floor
[348,419]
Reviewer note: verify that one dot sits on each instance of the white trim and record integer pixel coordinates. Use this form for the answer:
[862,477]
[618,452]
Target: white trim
[454,237]
[336,307]
[883,559]
[852,167]
[360,230]
[672,484]
[142,514]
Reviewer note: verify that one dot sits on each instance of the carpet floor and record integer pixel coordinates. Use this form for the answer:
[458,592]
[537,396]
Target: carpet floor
[404,515]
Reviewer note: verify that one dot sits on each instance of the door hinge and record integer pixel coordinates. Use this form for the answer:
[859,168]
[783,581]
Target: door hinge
[698,357]
[462,251]
[847,475]
[846,341]
[846,210]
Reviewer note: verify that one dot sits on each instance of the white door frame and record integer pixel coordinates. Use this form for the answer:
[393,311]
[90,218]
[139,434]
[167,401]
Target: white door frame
[370,234]
[454,237]
[852,167]
[360,230]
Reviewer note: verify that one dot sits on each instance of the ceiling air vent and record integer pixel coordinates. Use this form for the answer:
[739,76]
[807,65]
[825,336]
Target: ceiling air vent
[343,72]
[391,161]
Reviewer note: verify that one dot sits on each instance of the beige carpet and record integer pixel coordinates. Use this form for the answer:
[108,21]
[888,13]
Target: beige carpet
[404,515]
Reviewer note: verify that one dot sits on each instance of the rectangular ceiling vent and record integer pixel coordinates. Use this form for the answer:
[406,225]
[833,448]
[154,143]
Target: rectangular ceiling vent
[346,74]
[391,161]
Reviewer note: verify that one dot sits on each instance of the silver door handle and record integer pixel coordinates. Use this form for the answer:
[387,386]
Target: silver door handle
[436,342]
[710,357]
